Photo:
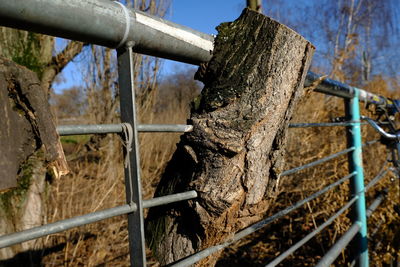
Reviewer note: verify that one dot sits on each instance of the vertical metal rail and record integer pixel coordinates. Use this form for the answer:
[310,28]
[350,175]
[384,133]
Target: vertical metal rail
[360,243]
[132,164]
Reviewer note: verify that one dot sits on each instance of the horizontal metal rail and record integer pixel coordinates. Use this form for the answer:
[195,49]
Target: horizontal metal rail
[317,162]
[325,159]
[308,237]
[110,24]
[335,88]
[377,178]
[83,129]
[321,124]
[257,226]
[370,209]
[345,239]
[158,201]
[63,225]
[327,124]
[371,142]
[375,204]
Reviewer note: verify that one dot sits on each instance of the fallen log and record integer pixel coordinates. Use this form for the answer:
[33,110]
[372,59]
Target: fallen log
[235,153]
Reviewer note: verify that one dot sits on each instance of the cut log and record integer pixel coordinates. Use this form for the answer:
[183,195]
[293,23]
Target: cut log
[235,154]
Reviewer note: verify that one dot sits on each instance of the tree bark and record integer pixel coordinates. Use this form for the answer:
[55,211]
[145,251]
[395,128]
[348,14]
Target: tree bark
[235,154]
[29,144]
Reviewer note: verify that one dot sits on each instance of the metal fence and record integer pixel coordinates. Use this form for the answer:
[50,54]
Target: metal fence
[111,24]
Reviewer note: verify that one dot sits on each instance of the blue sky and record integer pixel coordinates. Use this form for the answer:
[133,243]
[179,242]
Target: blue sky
[202,15]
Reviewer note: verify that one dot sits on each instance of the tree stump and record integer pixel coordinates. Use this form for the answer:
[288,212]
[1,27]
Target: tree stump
[235,154]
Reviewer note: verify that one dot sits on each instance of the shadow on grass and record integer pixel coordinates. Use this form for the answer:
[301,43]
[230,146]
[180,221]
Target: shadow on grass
[31,258]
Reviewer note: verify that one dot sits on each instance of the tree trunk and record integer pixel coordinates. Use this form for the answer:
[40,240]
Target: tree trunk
[235,154]
[29,144]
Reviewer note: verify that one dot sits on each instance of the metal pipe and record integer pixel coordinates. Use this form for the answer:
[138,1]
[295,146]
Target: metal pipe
[255,227]
[317,162]
[326,124]
[320,124]
[370,143]
[337,248]
[377,178]
[52,228]
[380,130]
[370,210]
[132,171]
[335,88]
[375,204]
[171,128]
[305,239]
[107,23]
[357,182]
[158,201]
[65,130]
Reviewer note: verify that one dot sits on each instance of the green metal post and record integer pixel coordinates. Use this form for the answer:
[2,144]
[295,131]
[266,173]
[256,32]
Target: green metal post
[357,182]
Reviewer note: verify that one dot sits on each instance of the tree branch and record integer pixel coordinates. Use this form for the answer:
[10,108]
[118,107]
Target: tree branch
[59,62]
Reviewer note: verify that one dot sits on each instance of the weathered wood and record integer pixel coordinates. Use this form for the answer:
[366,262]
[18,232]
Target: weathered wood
[235,153]
[29,144]
[27,123]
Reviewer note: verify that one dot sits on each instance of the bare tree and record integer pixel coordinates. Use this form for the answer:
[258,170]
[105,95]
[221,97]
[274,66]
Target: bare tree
[355,39]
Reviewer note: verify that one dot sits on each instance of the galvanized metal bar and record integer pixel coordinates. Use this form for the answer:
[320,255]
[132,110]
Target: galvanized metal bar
[65,130]
[375,204]
[170,128]
[370,210]
[308,237]
[337,248]
[158,201]
[107,23]
[255,227]
[381,131]
[320,124]
[377,178]
[357,182]
[344,240]
[317,162]
[133,187]
[327,124]
[335,88]
[370,143]
[83,129]
[63,225]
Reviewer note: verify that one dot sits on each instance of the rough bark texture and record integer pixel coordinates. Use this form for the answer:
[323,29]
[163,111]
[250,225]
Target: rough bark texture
[235,153]
[29,144]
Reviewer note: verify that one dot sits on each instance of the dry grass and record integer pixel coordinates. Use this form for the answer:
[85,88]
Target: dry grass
[96,182]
